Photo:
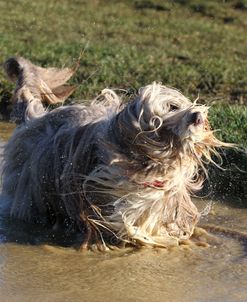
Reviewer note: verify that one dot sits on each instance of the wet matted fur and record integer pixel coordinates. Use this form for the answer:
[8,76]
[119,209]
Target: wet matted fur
[116,172]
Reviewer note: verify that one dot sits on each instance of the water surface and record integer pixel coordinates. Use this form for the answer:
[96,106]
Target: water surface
[6,130]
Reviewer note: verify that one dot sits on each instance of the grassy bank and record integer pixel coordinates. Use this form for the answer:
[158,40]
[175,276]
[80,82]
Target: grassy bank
[197,46]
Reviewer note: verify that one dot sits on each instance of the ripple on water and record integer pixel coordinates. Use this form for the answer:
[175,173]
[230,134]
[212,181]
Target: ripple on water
[41,273]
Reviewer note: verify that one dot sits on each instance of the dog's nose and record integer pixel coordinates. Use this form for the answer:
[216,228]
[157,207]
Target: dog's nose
[196,118]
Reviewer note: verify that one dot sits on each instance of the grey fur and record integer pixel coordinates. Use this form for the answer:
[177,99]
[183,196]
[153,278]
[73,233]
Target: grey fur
[94,168]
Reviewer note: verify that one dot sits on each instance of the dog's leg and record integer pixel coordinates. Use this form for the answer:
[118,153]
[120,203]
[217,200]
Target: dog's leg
[34,86]
[183,218]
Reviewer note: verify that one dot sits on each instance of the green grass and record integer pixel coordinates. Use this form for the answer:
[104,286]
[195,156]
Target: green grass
[232,122]
[197,46]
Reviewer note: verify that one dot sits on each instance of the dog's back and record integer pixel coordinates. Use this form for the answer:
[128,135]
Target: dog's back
[46,147]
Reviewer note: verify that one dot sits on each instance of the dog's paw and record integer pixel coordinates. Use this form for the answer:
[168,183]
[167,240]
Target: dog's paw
[201,237]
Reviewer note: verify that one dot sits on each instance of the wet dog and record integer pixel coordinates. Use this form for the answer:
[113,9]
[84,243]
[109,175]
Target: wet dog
[115,172]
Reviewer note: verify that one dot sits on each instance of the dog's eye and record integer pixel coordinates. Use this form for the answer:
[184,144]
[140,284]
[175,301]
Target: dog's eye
[173,107]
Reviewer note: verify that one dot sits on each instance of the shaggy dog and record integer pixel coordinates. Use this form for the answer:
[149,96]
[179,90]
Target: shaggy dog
[115,172]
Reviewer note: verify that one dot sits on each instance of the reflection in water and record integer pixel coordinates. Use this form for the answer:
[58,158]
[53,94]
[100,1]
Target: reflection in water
[32,271]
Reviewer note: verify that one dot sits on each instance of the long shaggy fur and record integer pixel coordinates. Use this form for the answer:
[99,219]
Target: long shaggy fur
[116,172]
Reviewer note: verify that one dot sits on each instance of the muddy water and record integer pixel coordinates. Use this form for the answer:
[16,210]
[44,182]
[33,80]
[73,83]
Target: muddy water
[5,130]
[41,272]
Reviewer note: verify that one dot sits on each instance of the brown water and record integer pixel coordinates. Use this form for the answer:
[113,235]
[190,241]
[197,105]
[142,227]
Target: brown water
[45,273]
[6,130]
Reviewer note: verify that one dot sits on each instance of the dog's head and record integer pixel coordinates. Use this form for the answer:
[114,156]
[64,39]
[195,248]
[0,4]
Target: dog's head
[170,115]
[162,123]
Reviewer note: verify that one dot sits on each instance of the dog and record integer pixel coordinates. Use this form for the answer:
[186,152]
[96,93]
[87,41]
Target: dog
[120,173]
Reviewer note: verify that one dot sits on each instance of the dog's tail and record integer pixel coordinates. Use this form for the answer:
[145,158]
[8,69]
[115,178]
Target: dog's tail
[34,86]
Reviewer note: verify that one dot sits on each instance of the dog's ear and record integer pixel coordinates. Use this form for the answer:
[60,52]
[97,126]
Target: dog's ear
[48,84]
